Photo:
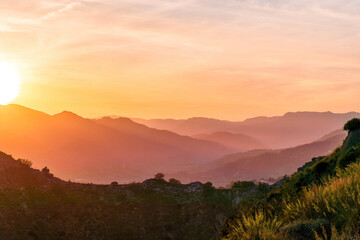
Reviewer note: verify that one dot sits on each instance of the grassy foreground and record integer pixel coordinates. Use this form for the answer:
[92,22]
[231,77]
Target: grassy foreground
[320,201]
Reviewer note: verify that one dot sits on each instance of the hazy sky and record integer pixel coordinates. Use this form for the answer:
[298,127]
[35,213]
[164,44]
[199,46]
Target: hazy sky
[228,59]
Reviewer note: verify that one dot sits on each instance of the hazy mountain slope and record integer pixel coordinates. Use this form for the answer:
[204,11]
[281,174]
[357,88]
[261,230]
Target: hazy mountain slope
[191,126]
[291,129]
[264,163]
[161,124]
[238,142]
[199,125]
[198,148]
[338,132]
[78,148]
[236,156]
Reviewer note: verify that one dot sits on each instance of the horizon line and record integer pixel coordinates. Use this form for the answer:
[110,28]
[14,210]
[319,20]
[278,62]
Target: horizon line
[177,119]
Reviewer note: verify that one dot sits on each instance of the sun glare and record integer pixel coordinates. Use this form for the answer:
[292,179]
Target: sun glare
[9,82]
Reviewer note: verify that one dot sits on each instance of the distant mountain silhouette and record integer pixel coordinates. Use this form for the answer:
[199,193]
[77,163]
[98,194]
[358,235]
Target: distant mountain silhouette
[339,132]
[236,141]
[191,126]
[293,129]
[98,150]
[290,130]
[197,148]
[109,149]
[161,124]
[259,164]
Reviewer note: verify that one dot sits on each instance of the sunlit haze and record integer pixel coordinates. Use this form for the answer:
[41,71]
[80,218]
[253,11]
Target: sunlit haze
[181,58]
[9,82]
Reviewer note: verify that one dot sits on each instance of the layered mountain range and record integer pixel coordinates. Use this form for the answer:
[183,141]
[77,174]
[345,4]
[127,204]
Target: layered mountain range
[121,149]
[290,130]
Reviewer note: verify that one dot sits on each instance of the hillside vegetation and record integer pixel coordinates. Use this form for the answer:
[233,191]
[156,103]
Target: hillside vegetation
[36,205]
[320,201]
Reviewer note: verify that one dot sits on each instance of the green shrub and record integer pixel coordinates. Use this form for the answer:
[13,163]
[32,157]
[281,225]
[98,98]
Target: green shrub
[321,201]
[243,185]
[332,202]
[309,164]
[26,162]
[159,176]
[352,125]
[335,235]
[321,168]
[305,230]
[349,156]
[208,189]
[311,173]
[336,200]
[254,227]
[114,183]
[174,181]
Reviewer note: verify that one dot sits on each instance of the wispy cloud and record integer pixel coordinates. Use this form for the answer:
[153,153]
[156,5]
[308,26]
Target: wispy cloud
[68,7]
[221,46]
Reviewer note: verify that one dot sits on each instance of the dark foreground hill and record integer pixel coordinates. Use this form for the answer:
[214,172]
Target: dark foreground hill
[36,205]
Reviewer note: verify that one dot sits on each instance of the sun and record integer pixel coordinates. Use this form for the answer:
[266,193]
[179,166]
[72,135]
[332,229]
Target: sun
[9,82]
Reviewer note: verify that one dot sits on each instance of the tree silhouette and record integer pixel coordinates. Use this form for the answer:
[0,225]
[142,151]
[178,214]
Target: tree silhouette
[159,176]
[45,170]
[114,183]
[174,181]
[352,125]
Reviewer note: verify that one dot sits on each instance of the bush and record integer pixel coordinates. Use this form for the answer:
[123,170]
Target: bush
[114,183]
[309,164]
[46,171]
[321,168]
[350,156]
[174,181]
[335,235]
[159,176]
[243,185]
[25,162]
[352,125]
[255,227]
[336,200]
[208,188]
[316,170]
[305,230]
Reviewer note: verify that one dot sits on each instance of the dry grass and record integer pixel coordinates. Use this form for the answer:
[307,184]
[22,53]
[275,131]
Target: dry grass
[261,225]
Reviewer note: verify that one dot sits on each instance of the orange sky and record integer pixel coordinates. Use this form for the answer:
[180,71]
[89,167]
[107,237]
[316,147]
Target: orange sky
[227,59]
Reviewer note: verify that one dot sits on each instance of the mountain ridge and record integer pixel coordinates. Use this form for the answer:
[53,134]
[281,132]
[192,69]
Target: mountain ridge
[81,148]
[289,130]
[258,164]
